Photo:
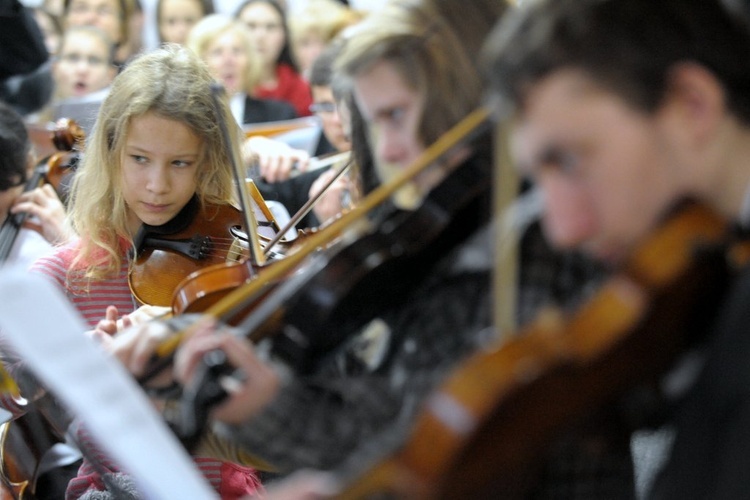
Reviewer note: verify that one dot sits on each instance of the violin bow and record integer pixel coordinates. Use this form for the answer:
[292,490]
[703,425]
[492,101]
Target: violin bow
[305,209]
[505,273]
[256,253]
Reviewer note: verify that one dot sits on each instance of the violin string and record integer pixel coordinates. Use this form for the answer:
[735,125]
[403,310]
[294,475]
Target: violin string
[220,246]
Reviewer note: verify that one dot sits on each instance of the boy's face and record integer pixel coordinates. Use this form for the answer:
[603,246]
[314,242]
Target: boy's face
[607,171]
[83,65]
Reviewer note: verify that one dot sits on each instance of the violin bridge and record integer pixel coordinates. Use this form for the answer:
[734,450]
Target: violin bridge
[236,251]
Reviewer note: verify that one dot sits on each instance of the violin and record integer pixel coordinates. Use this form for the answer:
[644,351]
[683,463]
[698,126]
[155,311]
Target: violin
[272,129]
[203,288]
[164,255]
[309,310]
[356,280]
[56,169]
[481,434]
[199,253]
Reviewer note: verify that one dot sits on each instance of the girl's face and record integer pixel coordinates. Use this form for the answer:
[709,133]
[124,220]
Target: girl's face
[227,61]
[177,17]
[392,110]
[160,162]
[83,65]
[266,28]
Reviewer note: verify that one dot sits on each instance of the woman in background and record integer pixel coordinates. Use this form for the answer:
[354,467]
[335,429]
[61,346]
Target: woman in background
[279,76]
[226,47]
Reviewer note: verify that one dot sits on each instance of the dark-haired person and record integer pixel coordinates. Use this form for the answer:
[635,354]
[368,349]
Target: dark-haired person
[16,166]
[621,109]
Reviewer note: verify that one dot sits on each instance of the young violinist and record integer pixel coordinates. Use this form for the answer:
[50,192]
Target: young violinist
[617,124]
[415,76]
[155,150]
[17,162]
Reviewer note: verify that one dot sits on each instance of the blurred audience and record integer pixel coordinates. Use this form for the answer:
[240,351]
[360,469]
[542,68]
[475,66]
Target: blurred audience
[314,26]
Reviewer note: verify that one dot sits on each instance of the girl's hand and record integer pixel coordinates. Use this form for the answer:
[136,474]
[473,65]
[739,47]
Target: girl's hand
[109,326]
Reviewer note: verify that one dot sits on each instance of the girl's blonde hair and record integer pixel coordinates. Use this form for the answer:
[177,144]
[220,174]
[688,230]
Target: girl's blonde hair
[174,84]
[208,29]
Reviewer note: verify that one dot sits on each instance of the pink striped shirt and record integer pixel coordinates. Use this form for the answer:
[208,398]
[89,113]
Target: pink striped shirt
[92,302]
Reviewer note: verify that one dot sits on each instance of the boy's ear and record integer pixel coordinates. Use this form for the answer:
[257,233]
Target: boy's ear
[697,100]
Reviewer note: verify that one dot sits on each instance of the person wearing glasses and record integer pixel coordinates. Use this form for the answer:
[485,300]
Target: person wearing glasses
[82,73]
[84,64]
[110,16]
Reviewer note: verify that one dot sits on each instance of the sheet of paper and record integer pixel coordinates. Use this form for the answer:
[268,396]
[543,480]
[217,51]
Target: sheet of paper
[47,332]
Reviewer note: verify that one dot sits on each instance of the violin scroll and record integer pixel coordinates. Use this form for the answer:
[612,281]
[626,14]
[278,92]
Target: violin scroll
[67,135]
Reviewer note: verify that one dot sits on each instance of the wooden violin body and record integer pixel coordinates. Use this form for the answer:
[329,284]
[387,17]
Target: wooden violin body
[199,257]
[197,238]
[483,432]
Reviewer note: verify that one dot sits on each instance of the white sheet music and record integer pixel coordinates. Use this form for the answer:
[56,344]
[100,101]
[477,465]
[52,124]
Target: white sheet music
[47,332]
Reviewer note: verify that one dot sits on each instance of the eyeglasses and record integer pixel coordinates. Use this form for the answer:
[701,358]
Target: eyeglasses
[322,107]
[77,58]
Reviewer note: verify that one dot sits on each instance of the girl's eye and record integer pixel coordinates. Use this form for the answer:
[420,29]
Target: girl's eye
[396,115]
[139,158]
[181,163]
